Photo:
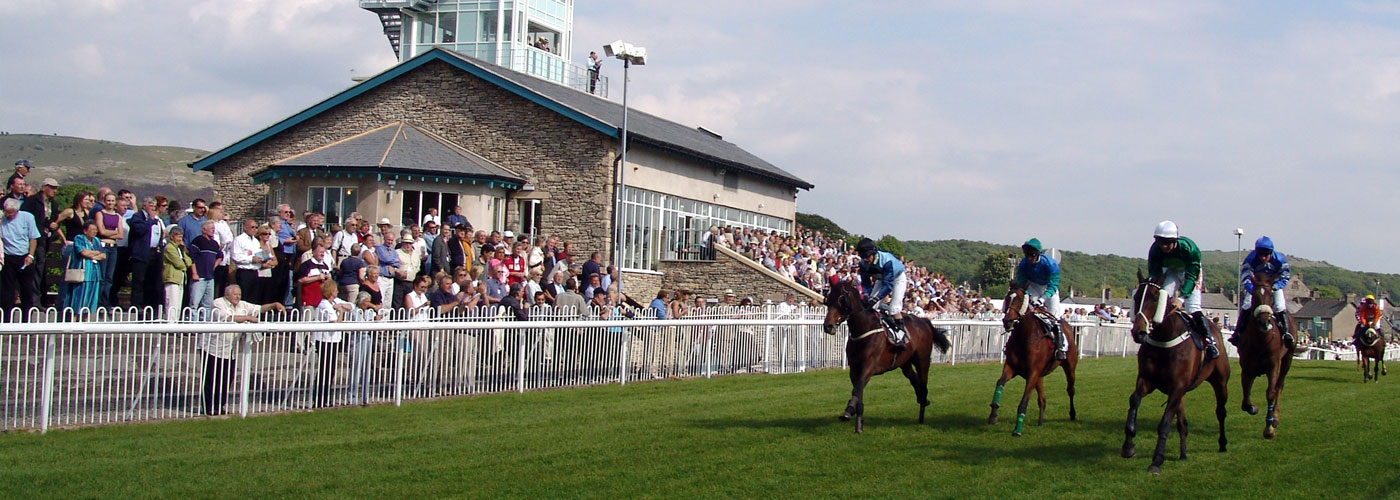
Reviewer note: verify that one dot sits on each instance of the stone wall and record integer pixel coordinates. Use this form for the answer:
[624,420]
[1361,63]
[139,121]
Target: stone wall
[564,159]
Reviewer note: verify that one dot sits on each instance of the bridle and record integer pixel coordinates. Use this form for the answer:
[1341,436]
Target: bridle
[1142,300]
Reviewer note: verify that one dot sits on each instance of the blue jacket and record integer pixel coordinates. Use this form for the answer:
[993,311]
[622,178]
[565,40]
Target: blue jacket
[885,269]
[1046,272]
[1276,267]
[140,238]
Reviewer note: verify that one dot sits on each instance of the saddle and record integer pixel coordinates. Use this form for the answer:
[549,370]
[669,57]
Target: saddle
[1049,322]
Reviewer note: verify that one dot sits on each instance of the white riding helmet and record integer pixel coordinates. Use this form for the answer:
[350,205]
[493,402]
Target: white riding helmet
[1166,229]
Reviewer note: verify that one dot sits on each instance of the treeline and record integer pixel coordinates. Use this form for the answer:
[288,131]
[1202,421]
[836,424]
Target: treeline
[986,265]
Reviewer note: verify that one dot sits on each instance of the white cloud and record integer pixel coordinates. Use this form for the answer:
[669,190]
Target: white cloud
[86,60]
[249,111]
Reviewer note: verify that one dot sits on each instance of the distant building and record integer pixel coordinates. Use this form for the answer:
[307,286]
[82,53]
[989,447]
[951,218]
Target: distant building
[1326,318]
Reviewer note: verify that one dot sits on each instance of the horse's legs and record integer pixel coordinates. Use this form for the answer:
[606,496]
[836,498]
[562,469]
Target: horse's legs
[856,374]
[1164,428]
[996,394]
[1218,382]
[1365,366]
[1130,428]
[1181,427]
[1031,380]
[1247,386]
[920,390]
[1270,417]
[1069,379]
[1040,399]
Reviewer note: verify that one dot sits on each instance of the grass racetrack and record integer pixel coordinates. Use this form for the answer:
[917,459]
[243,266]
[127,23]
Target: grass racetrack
[745,436]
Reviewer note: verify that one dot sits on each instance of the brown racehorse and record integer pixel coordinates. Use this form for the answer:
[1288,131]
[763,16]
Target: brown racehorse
[1030,354]
[1367,350]
[1263,352]
[870,353]
[1169,361]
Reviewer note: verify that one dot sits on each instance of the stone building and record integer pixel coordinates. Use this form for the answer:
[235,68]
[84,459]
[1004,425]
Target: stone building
[517,153]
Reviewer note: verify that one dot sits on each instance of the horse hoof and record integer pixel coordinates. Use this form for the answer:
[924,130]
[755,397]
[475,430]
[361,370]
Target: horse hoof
[1015,434]
[1155,470]
[1129,451]
[992,420]
[844,417]
[1251,409]
[1269,432]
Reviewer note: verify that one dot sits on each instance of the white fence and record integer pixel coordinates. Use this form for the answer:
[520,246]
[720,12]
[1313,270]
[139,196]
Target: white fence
[122,366]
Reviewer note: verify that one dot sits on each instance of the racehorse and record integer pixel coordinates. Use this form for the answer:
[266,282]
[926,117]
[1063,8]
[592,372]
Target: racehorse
[1169,362]
[1370,347]
[1263,352]
[870,353]
[1030,354]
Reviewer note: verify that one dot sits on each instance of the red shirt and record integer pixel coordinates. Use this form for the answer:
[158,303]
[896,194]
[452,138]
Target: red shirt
[515,264]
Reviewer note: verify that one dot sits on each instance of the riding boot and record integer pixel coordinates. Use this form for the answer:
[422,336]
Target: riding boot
[900,338]
[1234,339]
[1061,346]
[1202,328]
[1282,318]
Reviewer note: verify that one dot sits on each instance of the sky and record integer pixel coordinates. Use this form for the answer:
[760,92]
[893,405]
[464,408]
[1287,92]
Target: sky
[1081,122]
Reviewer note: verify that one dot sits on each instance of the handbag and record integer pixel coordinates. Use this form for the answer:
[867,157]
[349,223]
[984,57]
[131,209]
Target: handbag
[72,274]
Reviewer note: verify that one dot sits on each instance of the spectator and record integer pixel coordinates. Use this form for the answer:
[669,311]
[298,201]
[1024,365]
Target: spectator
[514,303]
[350,272]
[660,305]
[329,309]
[409,262]
[16,189]
[314,273]
[21,241]
[360,348]
[497,286]
[267,291]
[389,265]
[109,229]
[44,208]
[554,288]
[176,272]
[443,300]
[219,347]
[223,235]
[70,225]
[306,235]
[515,263]
[86,254]
[438,254]
[416,303]
[147,262]
[456,218]
[286,259]
[459,249]
[21,170]
[190,223]
[102,193]
[348,236]
[246,255]
[208,257]
[370,285]
[432,216]
[121,274]
[570,299]
[592,267]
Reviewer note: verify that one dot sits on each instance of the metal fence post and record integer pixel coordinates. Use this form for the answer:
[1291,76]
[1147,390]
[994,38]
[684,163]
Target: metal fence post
[622,358]
[47,406]
[709,353]
[953,358]
[520,376]
[768,341]
[246,358]
[398,371]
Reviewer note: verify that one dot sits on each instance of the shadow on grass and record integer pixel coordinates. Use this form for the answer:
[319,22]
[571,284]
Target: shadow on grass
[1062,453]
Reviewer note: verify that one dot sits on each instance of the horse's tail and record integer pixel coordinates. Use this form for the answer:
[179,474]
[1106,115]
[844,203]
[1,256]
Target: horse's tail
[939,336]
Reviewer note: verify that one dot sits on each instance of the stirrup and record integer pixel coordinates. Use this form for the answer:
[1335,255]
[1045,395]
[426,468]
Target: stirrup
[1211,351]
[1061,355]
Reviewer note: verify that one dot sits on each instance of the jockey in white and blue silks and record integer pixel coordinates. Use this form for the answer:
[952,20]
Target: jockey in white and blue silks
[883,275]
[1265,261]
[1039,275]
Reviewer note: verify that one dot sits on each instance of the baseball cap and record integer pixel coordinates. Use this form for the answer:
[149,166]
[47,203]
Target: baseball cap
[23,162]
[49,181]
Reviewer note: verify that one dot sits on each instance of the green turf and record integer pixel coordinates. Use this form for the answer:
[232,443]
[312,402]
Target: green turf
[743,436]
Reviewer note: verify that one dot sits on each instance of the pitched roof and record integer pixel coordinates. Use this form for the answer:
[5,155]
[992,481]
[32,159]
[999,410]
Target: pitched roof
[1325,308]
[398,147]
[1217,301]
[597,113]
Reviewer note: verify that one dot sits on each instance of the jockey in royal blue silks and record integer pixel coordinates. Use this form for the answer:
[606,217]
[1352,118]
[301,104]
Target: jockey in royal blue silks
[1265,261]
[1039,275]
[882,274]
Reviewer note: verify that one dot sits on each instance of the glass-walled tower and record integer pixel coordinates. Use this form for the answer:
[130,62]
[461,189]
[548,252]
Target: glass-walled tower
[530,36]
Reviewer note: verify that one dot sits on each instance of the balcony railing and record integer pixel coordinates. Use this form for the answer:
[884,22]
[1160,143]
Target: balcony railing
[548,66]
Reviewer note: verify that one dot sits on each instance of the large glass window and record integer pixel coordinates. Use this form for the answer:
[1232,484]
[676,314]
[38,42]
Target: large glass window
[337,202]
[417,203]
[488,26]
[656,226]
[530,218]
[447,27]
[427,27]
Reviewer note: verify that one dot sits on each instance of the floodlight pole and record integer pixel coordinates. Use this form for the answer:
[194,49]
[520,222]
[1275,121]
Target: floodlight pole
[621,180]
[1239,275]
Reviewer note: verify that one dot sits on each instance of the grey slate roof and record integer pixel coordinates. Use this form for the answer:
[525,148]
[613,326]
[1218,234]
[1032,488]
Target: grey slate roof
[399,147]
[643,127]
[1326,308]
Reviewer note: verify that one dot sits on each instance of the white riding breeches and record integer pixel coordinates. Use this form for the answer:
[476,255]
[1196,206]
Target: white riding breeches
[1052,303]
[1280,304]
[896,304]
[1172,281]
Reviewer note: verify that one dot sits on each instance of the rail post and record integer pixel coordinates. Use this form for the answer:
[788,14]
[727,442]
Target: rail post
[520,361]
[622,358]
[246,375]
[398,369]
[47,406]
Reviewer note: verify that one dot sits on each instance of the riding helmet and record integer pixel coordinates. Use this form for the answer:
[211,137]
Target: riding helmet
[1166,230]
[1264,243]
[865,248]
[1031,246]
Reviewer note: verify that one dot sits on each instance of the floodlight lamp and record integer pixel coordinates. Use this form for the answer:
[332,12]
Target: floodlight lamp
[615,48]
[1239,231]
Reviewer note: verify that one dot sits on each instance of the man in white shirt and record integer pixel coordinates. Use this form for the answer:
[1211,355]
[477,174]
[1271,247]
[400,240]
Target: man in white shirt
[223,235]
[432,216]
[219,347]
[245,249]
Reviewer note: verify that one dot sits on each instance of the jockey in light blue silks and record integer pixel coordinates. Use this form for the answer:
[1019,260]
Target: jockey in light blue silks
[1039,275]
[1265,261]
[882,274]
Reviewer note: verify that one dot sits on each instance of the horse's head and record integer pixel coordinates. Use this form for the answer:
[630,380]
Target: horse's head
[1015,305]
[841,301]
[1262,298]
[1148,297]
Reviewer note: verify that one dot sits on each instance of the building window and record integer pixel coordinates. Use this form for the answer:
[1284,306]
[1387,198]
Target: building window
[530,218]
[417,203]
[656,226]
[337,202]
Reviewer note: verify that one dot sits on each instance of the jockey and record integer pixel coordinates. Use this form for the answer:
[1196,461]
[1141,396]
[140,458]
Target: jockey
[1368,316]
[1264,260]
[1179,260]
[882,274]
[1039,275]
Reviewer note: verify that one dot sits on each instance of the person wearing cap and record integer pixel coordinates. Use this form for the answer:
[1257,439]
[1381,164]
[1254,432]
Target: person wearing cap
[386,253]
[384,225]
[1039,276]
[44,207]
[21,170]
[1177,260]
[409,263]
[1264,261]
[883,275]
[1368,317]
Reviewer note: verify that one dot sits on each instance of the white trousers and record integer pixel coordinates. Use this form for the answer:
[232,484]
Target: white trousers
[896,304]
[1173,280]
[1280,305]
[1052,304]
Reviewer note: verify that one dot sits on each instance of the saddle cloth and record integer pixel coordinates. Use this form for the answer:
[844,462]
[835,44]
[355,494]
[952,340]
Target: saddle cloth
[1049,322]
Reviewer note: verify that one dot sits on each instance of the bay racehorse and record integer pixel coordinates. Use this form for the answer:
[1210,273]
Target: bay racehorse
[1370,345]
[870,352]
[1263,351]
[1169,361]
[1030,354]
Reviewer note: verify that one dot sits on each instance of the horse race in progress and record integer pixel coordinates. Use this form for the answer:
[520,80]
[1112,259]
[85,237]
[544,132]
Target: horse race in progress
[603,249]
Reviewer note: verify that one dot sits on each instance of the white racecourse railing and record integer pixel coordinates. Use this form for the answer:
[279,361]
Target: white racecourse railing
[130,365]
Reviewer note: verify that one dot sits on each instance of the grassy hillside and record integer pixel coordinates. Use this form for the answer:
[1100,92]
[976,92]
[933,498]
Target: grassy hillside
[142,169]
[1087,274]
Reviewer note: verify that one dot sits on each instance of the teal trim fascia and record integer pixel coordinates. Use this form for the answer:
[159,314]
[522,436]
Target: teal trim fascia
[436,54]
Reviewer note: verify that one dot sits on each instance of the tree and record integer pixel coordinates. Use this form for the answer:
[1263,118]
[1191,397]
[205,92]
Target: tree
[64,196]
[1327,292]
[994,273]
[890,244]
[816,222]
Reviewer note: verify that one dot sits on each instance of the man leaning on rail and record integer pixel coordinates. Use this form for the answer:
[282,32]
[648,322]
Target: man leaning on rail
[219,347]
